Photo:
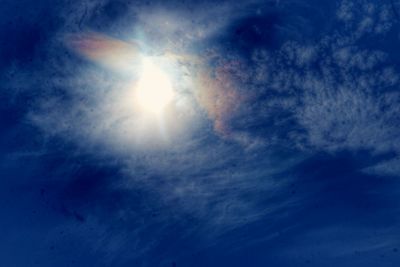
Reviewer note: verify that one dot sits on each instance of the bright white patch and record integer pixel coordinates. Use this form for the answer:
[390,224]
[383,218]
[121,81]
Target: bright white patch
[154,89]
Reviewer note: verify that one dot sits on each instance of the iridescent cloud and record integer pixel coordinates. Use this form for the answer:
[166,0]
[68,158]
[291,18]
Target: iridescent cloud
[109,52]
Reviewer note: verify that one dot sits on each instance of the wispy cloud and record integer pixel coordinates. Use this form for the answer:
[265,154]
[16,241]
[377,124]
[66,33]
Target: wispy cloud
[227,156]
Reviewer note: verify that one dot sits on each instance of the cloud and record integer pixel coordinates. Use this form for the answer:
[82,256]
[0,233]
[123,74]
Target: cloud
[332,95]
[385,168]
[227,156]
[312,97]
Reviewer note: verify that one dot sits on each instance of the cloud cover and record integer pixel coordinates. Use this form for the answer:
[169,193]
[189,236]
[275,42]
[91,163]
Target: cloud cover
[287,120]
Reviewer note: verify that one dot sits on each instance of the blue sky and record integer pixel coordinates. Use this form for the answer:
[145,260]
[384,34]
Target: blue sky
[280,146]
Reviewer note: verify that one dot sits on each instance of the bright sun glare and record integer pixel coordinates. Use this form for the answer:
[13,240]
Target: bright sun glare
[154,89]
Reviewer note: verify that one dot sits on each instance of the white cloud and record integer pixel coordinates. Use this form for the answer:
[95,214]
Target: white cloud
[325,96]
[387,168]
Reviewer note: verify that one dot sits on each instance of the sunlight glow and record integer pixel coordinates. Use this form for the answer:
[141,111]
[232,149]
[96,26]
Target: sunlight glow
[154,89]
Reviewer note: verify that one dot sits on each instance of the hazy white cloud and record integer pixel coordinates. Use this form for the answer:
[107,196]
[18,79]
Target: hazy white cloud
[387,168]
[342,95]
[322,96]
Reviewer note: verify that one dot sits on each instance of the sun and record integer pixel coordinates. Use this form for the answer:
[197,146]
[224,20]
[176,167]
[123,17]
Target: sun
[154,89]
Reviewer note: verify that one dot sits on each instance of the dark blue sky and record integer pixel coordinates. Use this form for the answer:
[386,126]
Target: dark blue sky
[280,146]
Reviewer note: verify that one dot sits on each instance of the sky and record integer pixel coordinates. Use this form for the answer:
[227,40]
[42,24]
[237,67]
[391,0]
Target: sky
[200,133]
